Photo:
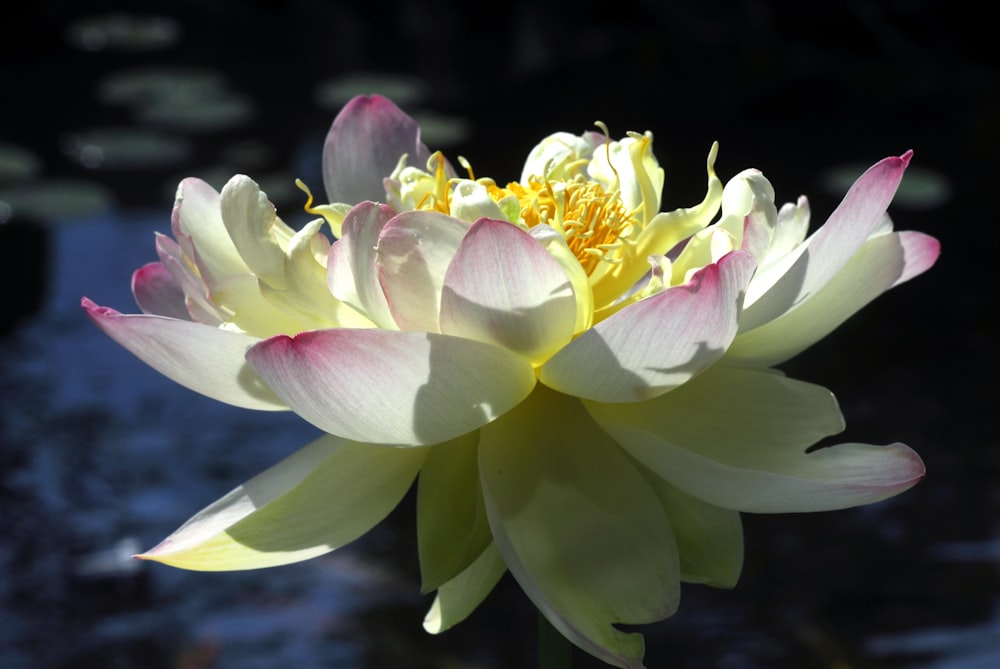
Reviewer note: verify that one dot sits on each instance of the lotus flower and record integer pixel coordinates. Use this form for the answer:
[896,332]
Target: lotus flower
[581,383]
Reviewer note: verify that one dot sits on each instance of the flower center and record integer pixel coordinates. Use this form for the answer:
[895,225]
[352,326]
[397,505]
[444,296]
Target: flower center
[594,222]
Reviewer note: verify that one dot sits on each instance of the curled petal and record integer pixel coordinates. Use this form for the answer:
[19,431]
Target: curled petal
[363,147]
[351,272]
[504,288]
[197,226]
[883,262]
[196,297]
[318,499]
[657,343]
[203,358]
[391,387]
[578,525]
[257,232]
[738,438]
[157,292]
[561,155]
[857,217]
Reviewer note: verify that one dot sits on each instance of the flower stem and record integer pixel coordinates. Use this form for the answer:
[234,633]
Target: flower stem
[554,650]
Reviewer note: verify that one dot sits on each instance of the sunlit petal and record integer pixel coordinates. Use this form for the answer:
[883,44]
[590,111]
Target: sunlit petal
[351,272]
[203,358]
[578,525]
[460,596]
[504,288]
[390,387]
[413,253]
[658,343]
[832,246]
[320,498]
[737,438]
[881,263]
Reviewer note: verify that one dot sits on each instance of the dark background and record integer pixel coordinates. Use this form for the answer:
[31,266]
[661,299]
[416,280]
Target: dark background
[105,107]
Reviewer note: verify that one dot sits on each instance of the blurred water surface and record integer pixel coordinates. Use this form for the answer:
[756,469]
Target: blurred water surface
[99,456]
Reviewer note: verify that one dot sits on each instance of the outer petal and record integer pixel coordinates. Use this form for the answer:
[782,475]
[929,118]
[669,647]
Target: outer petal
[460,596]
[504,288]
[709,538]
[578,525]
[390,387]
[883,262]
[737,438]
[364,144]
[351,272]
[658,343]
[200,357]
[320,498]
[413,253]
[452,530]
[826,252]
[157,292]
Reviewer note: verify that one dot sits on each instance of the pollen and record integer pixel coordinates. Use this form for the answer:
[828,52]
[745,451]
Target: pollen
[594,222]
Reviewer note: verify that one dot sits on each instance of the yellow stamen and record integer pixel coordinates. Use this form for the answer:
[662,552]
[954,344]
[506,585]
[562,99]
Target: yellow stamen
[308,205]
[594,222]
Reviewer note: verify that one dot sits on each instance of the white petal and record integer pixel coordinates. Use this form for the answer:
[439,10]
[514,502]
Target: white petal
[255,229]
[578,525]
[318,499]
[200,357]
[351,272]
[504,288]
[883,262]
[709,538]
[452,529]
[657,343]
[737,438]
[391,387]
[413,253]
[854,220]
[460,596]
[197,226]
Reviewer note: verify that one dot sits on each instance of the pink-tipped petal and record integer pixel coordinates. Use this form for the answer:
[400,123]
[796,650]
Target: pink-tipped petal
[203,358]
[364,144]
[920,252]
[858,215]
[196,301]
[504,288]
[658,343]
[158,293]
[391,387]
[882,262]
[414,250]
